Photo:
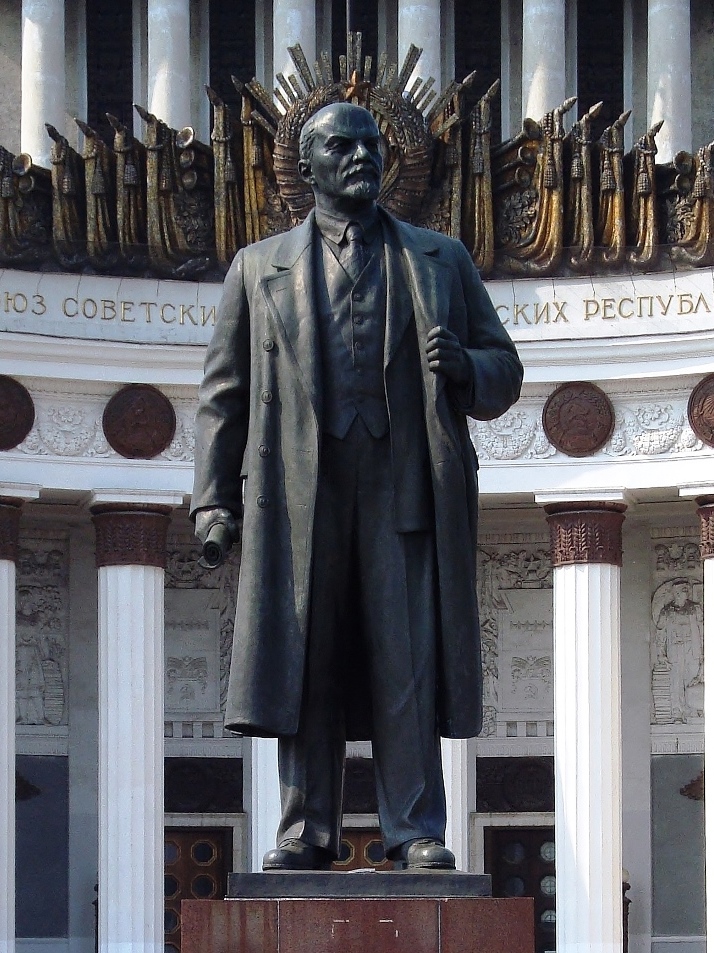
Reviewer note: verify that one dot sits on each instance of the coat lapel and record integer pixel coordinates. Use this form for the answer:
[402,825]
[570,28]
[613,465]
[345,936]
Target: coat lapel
[414,270]
[290,295]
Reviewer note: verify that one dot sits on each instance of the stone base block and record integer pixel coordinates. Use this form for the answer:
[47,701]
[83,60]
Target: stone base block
[351,925]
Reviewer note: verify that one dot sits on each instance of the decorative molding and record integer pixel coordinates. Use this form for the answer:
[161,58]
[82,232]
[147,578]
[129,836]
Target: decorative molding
[10,511]
[578,419]
[700,410]
[131,537]
[583,533]
[645,425]
[139,422]
[17,412]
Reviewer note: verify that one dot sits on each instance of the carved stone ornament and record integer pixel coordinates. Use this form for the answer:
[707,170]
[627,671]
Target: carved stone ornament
[578,419]
[706,517]
[17,413]
[700,410]
[131,536]
[139,422]
[586,533]
[9,527]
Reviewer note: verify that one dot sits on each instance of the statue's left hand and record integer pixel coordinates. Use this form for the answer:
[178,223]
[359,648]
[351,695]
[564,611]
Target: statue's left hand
[446,356]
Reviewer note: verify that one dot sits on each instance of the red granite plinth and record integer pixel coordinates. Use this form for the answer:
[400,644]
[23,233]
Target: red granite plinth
[390,925]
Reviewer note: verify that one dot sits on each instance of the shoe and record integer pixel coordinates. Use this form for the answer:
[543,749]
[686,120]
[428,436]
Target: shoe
[295,854]
[425,853]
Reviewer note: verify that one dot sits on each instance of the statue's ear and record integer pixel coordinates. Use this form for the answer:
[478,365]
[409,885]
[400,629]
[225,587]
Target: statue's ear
[305,170]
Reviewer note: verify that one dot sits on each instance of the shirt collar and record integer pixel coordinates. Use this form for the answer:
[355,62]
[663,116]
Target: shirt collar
[333,228]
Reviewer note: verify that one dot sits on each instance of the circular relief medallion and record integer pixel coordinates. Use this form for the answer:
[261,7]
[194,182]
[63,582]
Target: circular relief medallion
[700,410]
[578,419]
[17,413]
[139,422]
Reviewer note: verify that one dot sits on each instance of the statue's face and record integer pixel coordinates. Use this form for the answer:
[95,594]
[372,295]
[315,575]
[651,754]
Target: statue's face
[346,162]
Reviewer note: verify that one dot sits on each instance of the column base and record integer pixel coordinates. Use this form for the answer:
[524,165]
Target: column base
[348,913]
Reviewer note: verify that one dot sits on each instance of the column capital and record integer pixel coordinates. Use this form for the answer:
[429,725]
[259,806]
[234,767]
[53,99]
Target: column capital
[131,535]
[585,532]
[705,509]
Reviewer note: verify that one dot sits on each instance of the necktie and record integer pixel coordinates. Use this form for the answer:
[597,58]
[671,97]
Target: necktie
[352,258]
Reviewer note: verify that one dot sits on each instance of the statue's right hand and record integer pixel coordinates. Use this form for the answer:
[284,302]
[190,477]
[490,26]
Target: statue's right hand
[207,518]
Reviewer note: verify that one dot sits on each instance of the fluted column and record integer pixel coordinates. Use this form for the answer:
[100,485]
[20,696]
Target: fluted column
[420,24]
[131,555]
[706,517]
[43,76]
[9,525]
[454,758]
[586,550]
[11,500]
[293,23]
[169,61]
[669,75]
[264,798]
[543,68]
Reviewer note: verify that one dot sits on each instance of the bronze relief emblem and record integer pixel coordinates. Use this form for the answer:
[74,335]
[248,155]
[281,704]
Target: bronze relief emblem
[578,419]
[17,413]
[139,422]
[700,410]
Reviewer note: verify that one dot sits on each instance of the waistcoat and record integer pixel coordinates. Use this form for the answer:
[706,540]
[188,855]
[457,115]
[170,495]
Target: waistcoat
[352,319]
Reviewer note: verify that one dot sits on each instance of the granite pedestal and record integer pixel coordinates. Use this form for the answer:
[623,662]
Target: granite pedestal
[362,912]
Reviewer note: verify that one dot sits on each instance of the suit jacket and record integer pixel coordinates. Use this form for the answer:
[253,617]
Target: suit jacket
[259,414]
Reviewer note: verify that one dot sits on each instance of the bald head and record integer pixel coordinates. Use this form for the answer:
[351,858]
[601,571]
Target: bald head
[335,112]
[340,157]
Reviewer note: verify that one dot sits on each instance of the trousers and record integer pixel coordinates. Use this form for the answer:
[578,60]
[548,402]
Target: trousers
[373,592]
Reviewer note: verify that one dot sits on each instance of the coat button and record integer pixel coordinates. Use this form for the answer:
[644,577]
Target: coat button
[266,396]
[263,450]
[268,344]
[262,502]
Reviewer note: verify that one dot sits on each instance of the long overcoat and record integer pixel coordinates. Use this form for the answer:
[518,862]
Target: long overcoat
[258,446]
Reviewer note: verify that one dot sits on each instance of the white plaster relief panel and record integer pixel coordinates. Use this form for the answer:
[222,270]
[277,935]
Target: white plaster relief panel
[676,641]
[516,612]
[200,612]
[70,426]
[42,620]
[646,425]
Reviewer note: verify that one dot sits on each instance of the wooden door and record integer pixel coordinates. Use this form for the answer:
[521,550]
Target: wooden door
[521,861]
[196,865]
[361,847]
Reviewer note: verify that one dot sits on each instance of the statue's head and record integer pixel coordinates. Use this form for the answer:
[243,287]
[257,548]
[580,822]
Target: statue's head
[340,156]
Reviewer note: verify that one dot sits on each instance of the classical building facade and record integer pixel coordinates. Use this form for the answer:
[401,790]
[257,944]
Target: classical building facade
[592,223]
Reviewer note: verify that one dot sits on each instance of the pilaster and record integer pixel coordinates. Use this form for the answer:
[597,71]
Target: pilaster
[130,557]
[586,550]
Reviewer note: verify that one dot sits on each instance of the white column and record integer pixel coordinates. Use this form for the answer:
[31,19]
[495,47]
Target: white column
[704,496]
[293,23]
[131,552]
[669,75]
[43,79]
[420,24]
[169,61]
[454,758]
[264,798]
[543,70]
[586,548]
[11,499]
